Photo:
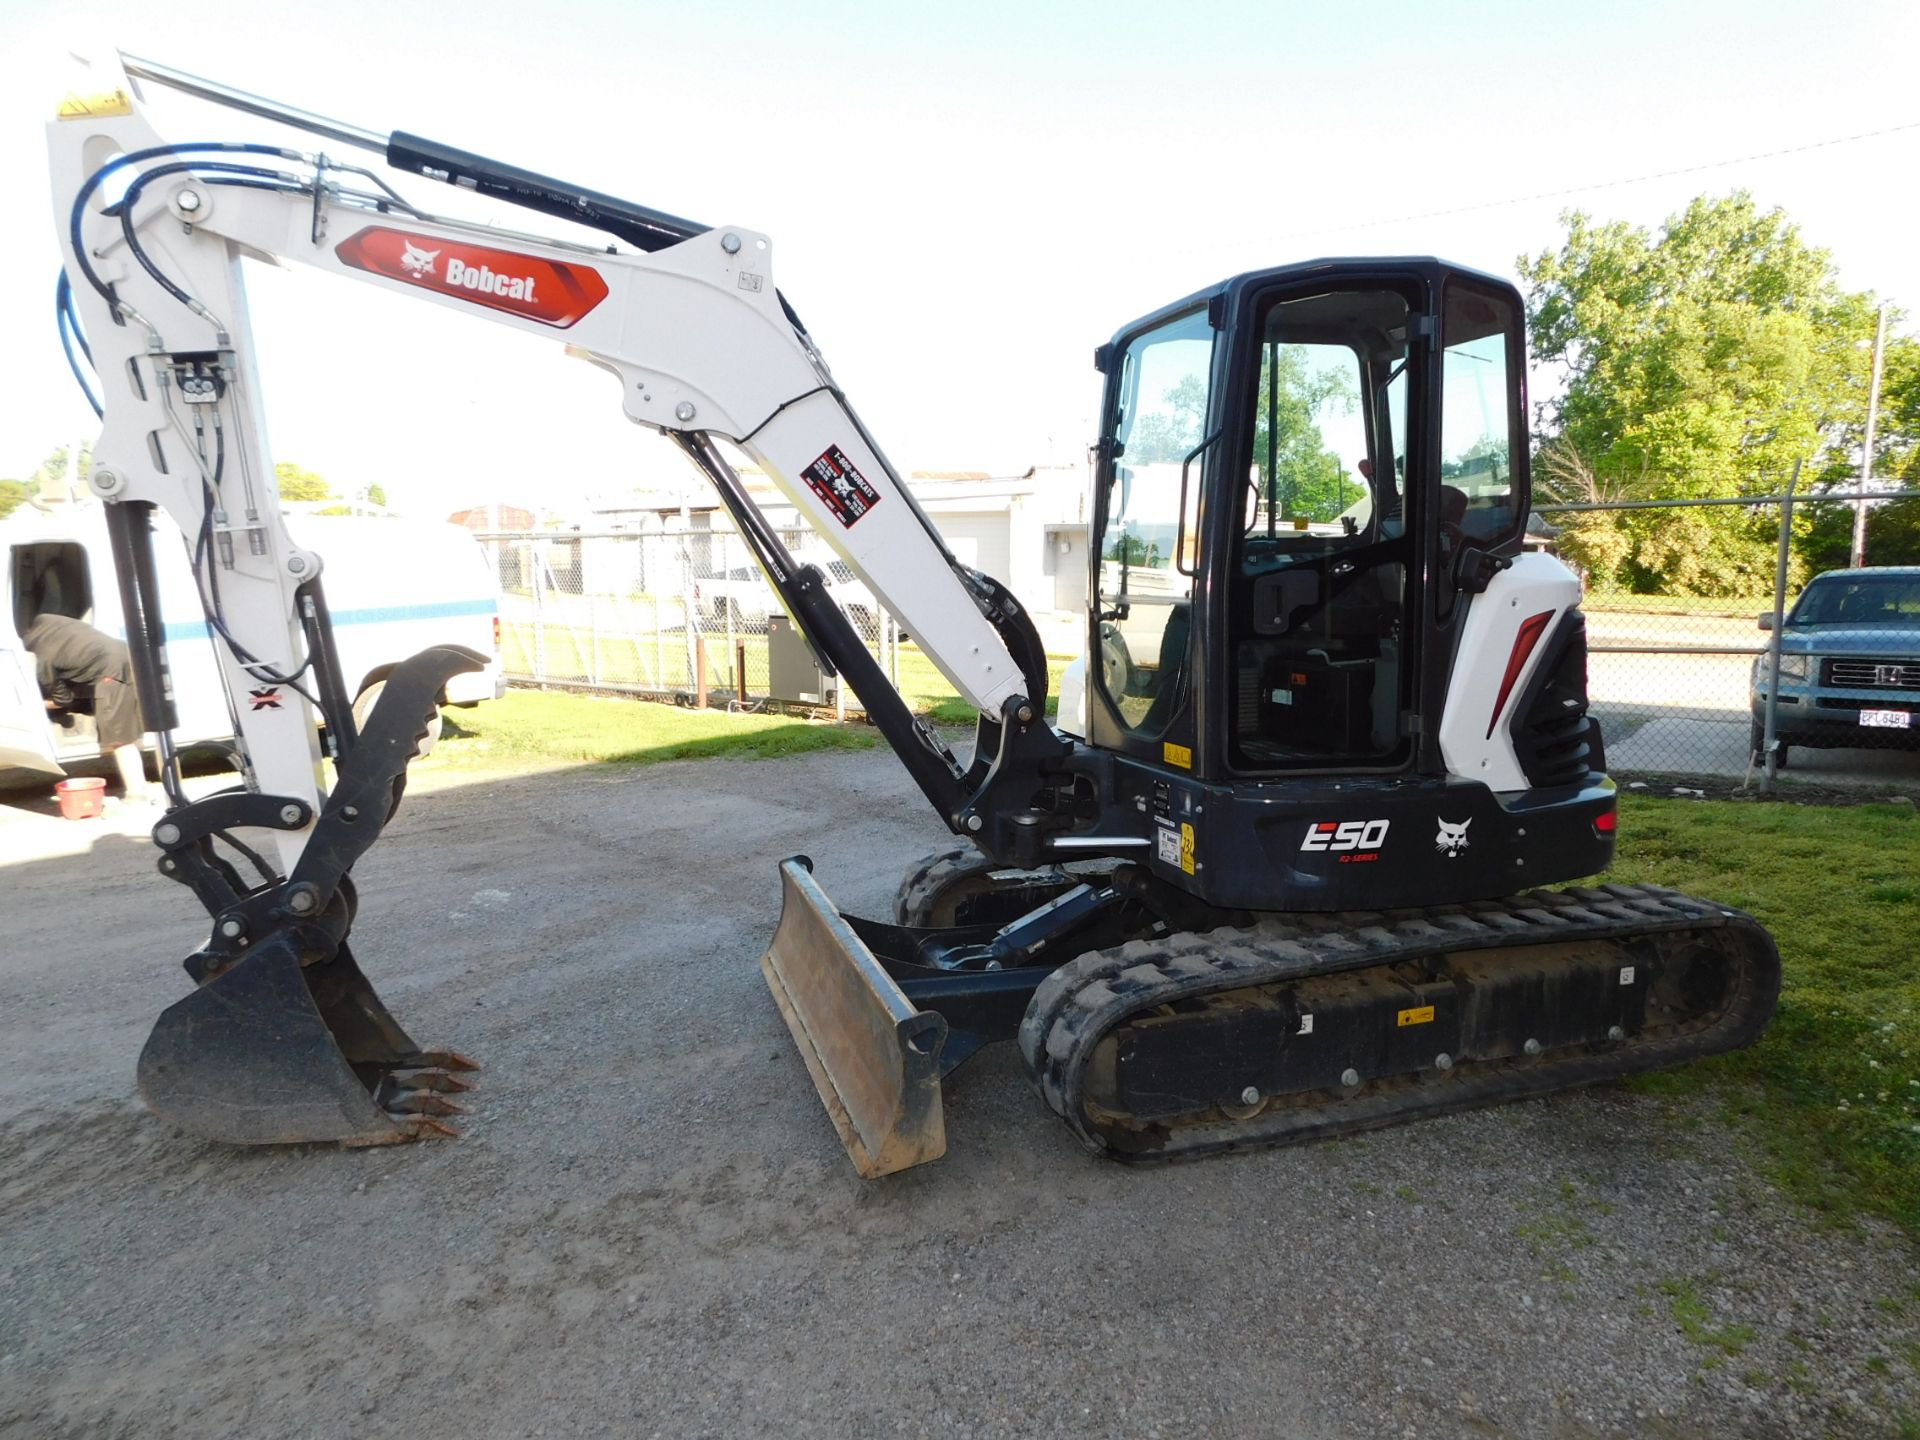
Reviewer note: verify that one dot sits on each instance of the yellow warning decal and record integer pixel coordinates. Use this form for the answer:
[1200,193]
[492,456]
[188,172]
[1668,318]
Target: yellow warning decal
[80,107]
[1180,755]
[1186,848]
[1423,1015]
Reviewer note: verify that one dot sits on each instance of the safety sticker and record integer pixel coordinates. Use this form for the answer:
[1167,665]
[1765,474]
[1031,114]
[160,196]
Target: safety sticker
[1420,1015]
[1306,1023]
[265,698]
[86,107]
[1626,974]
[1181,755]
[840,486]
[1166,846]
[1186,848]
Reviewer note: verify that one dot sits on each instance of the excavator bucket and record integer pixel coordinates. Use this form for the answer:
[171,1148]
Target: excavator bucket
[874,1058]
[273,1052]
[285,1041]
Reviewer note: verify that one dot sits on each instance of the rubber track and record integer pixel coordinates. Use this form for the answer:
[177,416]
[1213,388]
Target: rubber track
[1088,998]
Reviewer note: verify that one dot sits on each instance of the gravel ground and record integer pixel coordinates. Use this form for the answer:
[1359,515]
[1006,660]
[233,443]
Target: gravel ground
[650,1227]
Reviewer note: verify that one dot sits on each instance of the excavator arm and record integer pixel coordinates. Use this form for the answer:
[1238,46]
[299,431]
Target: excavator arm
[284,1039]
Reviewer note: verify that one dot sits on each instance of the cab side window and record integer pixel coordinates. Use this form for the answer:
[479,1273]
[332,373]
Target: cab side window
[1478,422]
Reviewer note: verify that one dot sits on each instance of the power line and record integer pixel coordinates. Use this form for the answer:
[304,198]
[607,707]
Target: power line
[1602,184]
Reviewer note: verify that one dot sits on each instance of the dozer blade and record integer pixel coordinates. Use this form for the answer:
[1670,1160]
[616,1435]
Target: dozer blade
[272,1052]
[874,1058]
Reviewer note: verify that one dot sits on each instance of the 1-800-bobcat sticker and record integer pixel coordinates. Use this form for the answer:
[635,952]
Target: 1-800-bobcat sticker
[840,486]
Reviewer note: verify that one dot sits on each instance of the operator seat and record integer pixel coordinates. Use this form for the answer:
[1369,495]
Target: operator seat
[1170,689]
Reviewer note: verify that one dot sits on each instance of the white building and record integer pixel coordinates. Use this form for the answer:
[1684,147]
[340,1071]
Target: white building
[1028,531]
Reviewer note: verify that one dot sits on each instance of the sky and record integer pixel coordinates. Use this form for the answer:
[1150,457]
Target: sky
[964,199]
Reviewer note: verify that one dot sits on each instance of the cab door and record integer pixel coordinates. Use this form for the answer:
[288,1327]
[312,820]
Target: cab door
[1322,544]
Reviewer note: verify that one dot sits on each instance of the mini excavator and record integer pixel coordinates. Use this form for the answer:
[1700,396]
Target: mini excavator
[1275,874]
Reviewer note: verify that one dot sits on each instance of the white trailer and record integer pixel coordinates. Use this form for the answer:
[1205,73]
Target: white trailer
[395,587]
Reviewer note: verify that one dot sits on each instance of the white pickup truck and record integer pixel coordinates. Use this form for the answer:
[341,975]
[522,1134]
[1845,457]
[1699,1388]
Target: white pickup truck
[744,590]
[395,586]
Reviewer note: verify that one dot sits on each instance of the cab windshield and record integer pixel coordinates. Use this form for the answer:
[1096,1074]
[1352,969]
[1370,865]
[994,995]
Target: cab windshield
[1149,537]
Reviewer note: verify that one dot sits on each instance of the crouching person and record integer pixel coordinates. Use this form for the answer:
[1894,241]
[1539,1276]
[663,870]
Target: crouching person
[72,659]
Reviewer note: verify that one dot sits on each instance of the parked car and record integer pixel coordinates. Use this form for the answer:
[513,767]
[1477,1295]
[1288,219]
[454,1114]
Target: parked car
[1849,663]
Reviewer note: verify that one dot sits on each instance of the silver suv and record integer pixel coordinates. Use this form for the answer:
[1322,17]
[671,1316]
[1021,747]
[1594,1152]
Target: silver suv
[1849,663]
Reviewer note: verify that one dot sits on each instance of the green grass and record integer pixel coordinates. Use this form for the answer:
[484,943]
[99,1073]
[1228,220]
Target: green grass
[1695,1321]
[527,729]
[1833,1087]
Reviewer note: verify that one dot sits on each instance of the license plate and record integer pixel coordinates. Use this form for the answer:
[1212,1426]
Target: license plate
[1887,719]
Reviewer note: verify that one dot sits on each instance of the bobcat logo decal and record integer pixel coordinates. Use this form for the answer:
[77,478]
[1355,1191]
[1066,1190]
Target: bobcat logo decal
[417,261]
[1452,839]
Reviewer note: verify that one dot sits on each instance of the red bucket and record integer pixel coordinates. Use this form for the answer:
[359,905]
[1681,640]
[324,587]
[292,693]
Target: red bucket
[83,798]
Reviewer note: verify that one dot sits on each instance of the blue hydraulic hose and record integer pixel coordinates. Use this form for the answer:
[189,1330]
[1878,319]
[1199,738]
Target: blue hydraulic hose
[70,331]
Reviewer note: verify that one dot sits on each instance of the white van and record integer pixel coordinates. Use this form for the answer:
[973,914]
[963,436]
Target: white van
[394,586]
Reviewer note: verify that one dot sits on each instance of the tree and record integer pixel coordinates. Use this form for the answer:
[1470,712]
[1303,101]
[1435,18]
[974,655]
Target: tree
[1308,478]
[1132,549]
[1702,361]
[1168,436]
[50,472]
[1897,453]
[56,470]
[297,484]
[1893,533]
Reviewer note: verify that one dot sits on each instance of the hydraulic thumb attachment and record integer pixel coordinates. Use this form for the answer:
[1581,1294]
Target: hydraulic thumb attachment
[284,1039]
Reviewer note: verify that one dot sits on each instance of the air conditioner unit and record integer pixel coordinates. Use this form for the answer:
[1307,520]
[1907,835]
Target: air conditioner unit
[794,672]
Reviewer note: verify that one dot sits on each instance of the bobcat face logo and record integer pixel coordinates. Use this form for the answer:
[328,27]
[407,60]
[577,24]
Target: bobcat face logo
[1452,839]
[417,261]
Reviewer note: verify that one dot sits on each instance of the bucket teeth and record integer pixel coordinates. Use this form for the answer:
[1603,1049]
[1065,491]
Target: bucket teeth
[423,1102]
[446,1060]
[403,1130]
[415,1095]
[438,1080]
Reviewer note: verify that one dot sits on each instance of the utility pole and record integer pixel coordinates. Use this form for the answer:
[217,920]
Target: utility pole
[1859,557]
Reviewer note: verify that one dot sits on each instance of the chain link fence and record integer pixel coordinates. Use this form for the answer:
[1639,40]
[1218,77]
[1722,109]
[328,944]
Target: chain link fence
[682,616]
[1681,682]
